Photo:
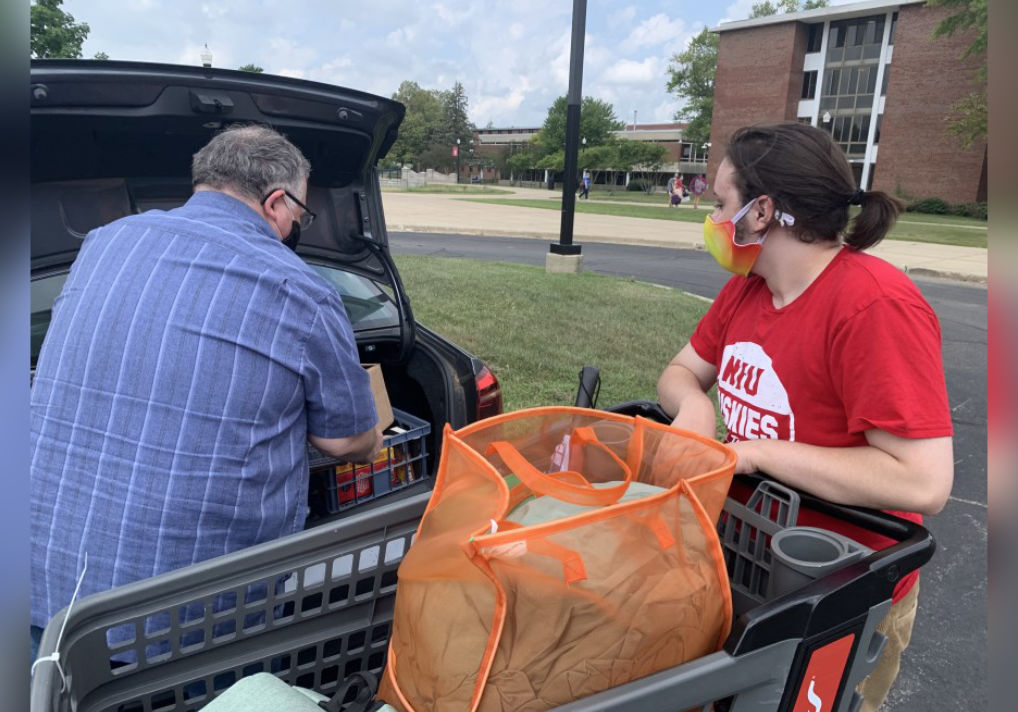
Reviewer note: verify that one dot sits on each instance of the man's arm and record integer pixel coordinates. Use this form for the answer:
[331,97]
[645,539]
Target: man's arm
[682,392]
[891,472]
[356,448]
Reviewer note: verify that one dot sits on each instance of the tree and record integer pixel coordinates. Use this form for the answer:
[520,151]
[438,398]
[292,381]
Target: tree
[762,9]
[691,77]
[54,33]
[968,116]
[691,72]
[251,68]
[421,125]
[100,55]
[765,8]
[597,123]
[456,124]
[640,158]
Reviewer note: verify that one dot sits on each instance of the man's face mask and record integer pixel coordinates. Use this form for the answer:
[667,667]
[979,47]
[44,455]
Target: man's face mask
[293,239]
[720,240]
[306,218]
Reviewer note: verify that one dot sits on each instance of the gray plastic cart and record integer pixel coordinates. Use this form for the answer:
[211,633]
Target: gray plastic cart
[317,606]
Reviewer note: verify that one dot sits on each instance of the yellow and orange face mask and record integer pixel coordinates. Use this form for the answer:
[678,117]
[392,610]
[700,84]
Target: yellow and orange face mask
[720,240]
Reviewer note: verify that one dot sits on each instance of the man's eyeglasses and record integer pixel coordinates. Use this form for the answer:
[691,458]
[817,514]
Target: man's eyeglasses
[306,218]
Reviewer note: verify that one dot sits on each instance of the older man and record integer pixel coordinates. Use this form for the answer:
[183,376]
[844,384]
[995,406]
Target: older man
[190,356]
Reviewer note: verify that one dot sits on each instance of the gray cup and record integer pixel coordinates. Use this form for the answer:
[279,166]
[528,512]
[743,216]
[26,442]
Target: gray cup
[803,554]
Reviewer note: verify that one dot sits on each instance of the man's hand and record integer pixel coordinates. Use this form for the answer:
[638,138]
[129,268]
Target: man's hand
[356,448]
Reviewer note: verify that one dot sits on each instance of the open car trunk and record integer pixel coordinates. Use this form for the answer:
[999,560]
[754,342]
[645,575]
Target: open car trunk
[110,139]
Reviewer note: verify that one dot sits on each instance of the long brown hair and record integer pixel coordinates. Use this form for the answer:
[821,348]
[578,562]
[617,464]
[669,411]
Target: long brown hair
[807,176]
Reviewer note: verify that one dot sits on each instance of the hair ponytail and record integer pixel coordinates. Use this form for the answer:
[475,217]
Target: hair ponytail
[879,211]
[807,175]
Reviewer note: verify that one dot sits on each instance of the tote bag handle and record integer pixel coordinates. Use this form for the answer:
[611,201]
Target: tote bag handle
[553,485]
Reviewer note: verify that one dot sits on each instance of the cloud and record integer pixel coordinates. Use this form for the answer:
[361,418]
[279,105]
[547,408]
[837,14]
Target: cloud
[512,56]
[627,71]
[738,10]
[286,52]
[656,31]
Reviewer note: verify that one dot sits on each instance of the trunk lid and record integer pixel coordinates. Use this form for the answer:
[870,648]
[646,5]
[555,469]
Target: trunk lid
[113,138]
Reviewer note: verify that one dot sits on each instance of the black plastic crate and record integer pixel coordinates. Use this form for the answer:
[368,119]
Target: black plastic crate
[335,486]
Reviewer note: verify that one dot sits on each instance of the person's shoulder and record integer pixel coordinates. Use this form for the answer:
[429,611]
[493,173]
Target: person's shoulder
[866,279]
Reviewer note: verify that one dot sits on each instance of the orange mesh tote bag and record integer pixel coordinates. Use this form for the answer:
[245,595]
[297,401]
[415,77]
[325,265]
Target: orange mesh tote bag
[564,551]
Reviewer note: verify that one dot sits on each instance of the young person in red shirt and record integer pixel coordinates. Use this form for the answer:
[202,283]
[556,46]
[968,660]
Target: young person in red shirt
[827,360]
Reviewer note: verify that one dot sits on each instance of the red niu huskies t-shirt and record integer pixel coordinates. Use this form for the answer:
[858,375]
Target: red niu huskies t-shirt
[859,349]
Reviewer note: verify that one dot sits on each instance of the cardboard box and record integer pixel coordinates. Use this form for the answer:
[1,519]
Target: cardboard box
[382,405]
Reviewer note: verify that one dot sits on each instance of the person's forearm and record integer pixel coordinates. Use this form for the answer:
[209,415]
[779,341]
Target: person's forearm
[864,476]
[682,397]
[357,448]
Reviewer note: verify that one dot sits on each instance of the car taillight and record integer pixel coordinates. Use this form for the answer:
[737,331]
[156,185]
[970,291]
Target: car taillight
[489,394]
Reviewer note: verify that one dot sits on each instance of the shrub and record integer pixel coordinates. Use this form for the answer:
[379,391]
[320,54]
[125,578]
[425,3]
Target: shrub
[638,185]
[937,206]
[975,210]
[932,206]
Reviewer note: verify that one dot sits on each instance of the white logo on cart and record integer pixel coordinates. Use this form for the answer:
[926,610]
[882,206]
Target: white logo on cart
[753,400]
[814,698]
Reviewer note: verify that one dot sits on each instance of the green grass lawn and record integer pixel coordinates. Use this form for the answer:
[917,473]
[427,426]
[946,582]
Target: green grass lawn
[451,188]
[537,330]
[917,227]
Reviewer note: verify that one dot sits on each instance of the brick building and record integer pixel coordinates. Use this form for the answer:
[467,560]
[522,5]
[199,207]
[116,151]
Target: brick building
[872,74]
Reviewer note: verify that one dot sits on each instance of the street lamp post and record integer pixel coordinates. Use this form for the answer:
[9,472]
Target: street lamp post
[457,160]
[565,247]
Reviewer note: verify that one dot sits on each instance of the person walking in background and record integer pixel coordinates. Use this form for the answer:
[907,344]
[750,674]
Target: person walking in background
[584,187]
[191,356]
[827,360]
[675,190]
[699,187]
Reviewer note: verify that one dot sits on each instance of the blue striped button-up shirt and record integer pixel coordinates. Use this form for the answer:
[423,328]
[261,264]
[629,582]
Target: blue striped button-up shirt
[189,355]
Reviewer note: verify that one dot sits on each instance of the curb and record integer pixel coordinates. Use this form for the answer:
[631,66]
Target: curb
[613,239]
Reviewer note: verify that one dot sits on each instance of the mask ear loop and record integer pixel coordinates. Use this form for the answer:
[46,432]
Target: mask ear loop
[784,218]
[54,657]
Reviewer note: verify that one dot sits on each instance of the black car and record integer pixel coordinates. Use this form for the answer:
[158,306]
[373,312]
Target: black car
[109,139]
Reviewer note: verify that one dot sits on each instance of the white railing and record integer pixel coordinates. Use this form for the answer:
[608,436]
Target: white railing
[412,179]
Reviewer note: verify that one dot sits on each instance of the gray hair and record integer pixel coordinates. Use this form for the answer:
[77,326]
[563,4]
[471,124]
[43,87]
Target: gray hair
[250,160]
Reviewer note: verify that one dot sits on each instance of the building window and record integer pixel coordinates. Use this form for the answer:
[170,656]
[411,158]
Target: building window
[855,39]
[894,26]
[809,84]
[876,134]
[883,82]
[805,120]
[816,37]
[849,80]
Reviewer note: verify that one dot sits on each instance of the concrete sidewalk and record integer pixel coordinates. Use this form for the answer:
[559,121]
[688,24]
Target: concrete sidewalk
[442,212]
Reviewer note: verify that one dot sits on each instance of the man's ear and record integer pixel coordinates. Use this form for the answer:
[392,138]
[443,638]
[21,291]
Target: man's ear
[275,210]
[761,214]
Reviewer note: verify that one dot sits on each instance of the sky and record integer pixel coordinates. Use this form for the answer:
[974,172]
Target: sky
[512,56]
